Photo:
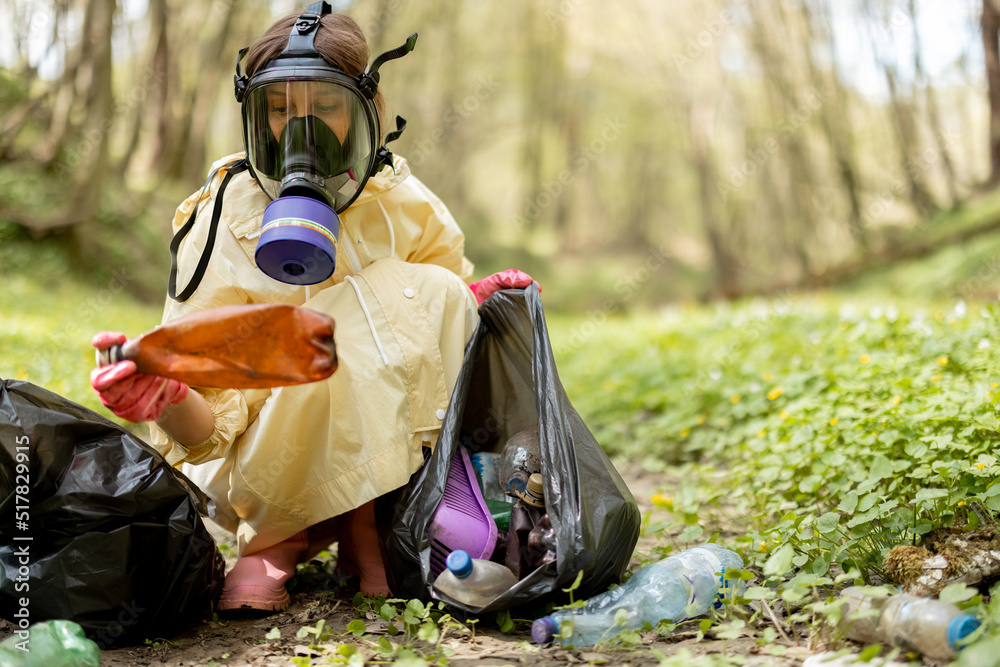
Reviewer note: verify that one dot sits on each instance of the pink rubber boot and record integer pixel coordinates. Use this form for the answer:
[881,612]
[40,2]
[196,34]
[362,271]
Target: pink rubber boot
[257,581]
[359,552]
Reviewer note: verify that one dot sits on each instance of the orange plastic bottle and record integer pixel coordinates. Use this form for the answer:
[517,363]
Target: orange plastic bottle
[238,347]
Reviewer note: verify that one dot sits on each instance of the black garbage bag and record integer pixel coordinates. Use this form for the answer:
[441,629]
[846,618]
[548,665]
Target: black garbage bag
[509,382]
[95,527]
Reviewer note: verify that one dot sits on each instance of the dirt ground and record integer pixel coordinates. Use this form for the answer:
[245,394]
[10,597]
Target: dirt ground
[250,641]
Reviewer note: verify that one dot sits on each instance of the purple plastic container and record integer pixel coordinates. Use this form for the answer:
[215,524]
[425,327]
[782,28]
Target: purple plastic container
[462,520]
[298,244]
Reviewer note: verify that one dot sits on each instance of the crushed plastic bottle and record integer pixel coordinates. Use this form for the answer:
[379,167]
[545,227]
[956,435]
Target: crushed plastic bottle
[675,588]
[50,644]
[521,456]
[928,626]
[472,581]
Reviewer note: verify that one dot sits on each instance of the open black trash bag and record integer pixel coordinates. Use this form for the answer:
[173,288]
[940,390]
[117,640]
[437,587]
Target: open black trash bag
[508,382]
[116,540]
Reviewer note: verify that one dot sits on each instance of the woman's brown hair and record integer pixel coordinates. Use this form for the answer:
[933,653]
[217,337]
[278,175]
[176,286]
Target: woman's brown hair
[339,39]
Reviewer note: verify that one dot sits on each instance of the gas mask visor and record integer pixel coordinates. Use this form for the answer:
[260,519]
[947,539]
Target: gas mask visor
[311,144]
[312,137]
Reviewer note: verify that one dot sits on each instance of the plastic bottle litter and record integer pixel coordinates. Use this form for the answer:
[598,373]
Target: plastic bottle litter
[524,517]
[472,581]
[242,347]
[678,587]
[929,626]
[521,456]
[487,465]
[50,644]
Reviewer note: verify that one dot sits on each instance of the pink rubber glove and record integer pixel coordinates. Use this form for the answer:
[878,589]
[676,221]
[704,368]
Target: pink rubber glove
[509,279]
[131,395]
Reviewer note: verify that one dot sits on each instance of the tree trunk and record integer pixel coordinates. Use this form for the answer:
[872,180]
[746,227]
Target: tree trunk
[725,266]
[920,82]
[990,25]
[93,136]
[837,127]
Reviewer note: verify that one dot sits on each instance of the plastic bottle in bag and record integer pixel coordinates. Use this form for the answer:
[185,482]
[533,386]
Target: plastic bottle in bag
[50,644]
[521,456]
[928,626]
[524,517]
[676,588]
[472,581]
[542,542]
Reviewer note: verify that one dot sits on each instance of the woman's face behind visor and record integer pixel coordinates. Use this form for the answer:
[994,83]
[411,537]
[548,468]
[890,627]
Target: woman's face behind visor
[327,102]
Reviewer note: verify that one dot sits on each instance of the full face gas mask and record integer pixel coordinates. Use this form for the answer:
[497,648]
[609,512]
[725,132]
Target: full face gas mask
[312,139]
[311,133]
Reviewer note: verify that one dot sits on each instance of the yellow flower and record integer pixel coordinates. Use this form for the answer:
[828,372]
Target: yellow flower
[935,378]
[896,400]
[700,419]
[763,547]
[735,398]
[685,432]
[774,393]
[833,422]
[995,385]
[661,500]
[961,502]
[762,433]
[767,377]
[943,361]
[784,414]
[980,465]
[865,358]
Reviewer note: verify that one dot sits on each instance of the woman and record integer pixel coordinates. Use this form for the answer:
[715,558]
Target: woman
[295,468]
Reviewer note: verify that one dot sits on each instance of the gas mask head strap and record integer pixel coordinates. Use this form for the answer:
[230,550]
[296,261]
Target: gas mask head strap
[300,41]
[301,45]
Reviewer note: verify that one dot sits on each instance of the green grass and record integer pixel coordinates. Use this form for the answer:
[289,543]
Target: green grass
[811,405]
[45,331]
[813,432]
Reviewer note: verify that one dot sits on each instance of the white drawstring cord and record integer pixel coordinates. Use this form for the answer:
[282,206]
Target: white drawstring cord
[388,223]
[371,325]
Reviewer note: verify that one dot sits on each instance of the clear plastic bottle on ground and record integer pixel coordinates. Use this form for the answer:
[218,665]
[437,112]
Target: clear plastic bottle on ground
[678,587]
[472,581]
[926,625]
[50,644]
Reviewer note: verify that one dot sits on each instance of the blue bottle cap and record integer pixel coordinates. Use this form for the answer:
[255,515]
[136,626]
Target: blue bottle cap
[543,630]
[460,563]
[960,628]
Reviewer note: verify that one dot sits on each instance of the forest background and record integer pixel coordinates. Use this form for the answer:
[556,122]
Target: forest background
[625,156]
[767,232]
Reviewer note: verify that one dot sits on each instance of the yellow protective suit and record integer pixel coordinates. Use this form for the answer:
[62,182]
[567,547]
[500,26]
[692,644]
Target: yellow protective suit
[285,459]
